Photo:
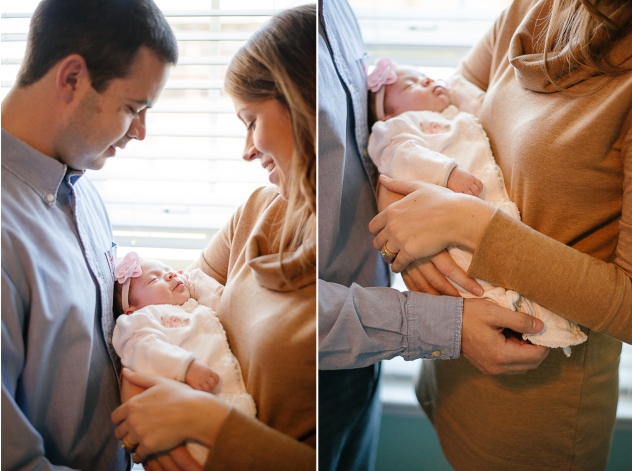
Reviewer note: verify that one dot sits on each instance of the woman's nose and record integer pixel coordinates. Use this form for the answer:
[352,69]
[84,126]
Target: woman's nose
[137,128]
[250,151]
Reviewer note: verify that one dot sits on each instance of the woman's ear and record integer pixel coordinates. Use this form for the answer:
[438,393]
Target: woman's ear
[72,77]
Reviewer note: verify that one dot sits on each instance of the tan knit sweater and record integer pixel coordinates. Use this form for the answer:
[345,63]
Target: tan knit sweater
[271,329]
[567,163]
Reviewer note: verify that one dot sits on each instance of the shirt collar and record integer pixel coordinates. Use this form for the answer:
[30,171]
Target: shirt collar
[41,172]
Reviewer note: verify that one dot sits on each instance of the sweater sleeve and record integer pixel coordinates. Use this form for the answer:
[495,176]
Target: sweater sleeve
[576,286]
[484,58]
[143,346]
[214,260]
[260,448]
[398,150]
[218,257]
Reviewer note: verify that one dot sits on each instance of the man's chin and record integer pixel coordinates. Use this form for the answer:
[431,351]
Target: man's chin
[98,163]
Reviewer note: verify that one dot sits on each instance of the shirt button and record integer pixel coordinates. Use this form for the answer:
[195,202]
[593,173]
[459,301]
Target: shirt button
[435,354]
[50,197]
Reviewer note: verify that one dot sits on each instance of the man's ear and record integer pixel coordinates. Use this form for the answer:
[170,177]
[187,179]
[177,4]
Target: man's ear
[72,76]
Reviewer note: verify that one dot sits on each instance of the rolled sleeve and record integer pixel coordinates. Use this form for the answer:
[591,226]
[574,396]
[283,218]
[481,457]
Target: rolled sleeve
[361,326]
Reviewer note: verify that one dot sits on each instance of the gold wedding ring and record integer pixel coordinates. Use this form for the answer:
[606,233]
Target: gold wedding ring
[127,446]
[387,255]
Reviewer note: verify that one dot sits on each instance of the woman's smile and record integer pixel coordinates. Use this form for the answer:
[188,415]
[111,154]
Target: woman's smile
[269,165]
[268,138]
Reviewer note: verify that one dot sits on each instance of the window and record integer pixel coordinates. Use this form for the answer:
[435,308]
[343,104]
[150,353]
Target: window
[168,195]
[436,36]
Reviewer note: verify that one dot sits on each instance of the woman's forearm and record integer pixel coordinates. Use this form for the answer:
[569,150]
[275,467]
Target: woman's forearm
[472,218]
[208,415]
[574,285]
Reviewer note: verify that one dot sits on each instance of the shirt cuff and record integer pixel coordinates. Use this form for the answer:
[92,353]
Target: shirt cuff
[434,327]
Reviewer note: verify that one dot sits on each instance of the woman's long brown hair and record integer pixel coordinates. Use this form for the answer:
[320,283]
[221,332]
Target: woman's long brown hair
[279,62]
[588,31]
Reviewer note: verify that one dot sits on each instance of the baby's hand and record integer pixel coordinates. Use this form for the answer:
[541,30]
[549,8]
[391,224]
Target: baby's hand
[462,181]
[201,377]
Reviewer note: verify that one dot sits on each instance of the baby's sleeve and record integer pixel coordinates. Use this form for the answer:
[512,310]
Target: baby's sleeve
[465,95]
[143,345]
[204,289]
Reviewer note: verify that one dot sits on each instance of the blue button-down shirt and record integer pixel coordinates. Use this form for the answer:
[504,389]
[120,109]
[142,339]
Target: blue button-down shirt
[59,372]
[360,321]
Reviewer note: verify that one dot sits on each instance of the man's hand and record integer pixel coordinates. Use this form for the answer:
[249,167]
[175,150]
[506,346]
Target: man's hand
[430,275]
[485,346]
[129,390]
[201,377]
[386,197]
[178,459]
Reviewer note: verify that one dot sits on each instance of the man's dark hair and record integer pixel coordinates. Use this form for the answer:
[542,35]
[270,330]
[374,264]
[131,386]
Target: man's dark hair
[106,33]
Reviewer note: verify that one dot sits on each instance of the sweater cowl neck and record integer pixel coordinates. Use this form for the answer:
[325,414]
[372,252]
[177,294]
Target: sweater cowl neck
[262,257]
[529,64]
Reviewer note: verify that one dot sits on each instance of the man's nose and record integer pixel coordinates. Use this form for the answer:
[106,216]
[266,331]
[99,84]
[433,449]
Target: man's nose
[137,129]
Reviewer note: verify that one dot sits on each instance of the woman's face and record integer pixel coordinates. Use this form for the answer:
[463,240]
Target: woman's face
[269,138]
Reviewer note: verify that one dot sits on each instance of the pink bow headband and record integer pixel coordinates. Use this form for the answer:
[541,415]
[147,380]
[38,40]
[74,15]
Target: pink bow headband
[126,270]
[383,74]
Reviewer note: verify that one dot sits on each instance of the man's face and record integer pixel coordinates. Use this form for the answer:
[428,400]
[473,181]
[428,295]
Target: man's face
[103,122]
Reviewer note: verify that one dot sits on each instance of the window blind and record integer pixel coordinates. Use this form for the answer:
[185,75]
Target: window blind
[168,195]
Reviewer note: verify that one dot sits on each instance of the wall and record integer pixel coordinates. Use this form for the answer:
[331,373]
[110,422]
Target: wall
[410,443]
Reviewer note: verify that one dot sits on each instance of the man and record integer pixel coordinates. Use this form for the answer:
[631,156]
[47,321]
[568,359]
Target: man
[361,321]
[91,71]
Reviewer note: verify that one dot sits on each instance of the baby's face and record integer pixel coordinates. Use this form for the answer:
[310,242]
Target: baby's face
[159,284]
[413,91]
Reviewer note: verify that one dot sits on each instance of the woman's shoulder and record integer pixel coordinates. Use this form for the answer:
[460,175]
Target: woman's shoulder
[259,202]
[263,196]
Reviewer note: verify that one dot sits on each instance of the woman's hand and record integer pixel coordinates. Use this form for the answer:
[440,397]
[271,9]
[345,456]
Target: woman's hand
[430,275]
[427,220]
[166,415]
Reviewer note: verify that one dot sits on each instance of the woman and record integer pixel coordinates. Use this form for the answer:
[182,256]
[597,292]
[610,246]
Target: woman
[266,258]
[558,76]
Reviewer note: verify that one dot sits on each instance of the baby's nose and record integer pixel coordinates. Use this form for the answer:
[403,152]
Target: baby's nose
[427,81]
